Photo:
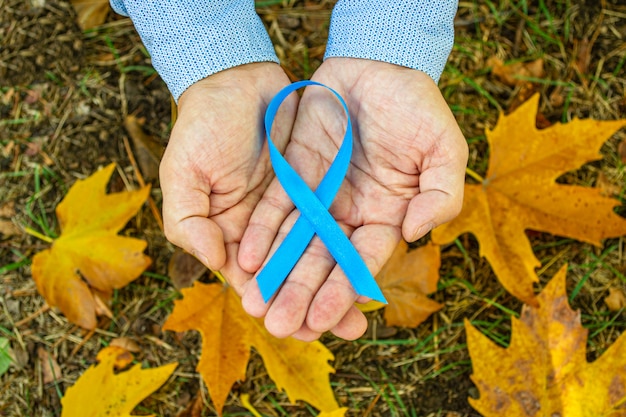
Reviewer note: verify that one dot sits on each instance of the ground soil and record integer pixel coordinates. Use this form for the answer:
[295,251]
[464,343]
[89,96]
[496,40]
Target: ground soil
[64,96]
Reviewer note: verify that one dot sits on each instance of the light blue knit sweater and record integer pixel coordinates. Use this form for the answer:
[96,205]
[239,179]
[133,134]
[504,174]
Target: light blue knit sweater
[189,40]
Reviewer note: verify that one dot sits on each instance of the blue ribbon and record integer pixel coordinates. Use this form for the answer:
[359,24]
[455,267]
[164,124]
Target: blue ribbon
[314,218]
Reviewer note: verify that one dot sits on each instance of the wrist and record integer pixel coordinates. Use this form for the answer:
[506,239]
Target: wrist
[247,77]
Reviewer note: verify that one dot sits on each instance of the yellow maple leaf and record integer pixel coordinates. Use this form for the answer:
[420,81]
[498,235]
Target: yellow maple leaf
[101,392]
[88,257]
[406,280]
[520,192]
[300,369]
[544,371]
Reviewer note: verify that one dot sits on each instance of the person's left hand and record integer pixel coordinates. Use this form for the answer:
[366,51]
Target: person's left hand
[406,177]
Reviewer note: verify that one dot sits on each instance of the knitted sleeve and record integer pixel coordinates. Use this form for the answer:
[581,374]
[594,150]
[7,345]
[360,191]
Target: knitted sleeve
[190,40]
[412,33]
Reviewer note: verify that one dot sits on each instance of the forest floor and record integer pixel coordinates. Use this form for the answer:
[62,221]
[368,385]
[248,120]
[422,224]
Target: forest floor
[65,95]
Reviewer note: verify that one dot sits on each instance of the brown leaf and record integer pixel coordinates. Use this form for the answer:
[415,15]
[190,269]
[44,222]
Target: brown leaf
[583,55]
[606,187]
[406,279]
[7,227]
[89,257]
[50,369]
[126,343]
[544,371]
[194,407]
[100,305]
[616,300]
[514,74]
[621,151]
[557,97]
[520,193]
[228,333]
[148,149]
[7,209]
[184,269]
[90,13]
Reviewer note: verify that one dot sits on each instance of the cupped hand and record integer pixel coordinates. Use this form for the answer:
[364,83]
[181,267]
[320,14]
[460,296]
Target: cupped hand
[216,164]
[406,177]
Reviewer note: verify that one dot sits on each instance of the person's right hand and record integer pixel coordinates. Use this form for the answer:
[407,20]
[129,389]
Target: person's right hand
[216,165]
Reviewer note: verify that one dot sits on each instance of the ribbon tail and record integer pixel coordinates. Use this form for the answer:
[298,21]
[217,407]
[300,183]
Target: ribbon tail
[275,271]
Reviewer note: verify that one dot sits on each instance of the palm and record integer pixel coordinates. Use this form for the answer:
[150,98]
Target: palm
[406,176]
[216,166]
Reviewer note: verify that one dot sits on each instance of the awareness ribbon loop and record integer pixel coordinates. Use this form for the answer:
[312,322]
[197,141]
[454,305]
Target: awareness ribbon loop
[314,216]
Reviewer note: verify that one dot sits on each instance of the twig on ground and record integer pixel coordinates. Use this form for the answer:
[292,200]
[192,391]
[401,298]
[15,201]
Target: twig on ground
[151,203]
[28,319]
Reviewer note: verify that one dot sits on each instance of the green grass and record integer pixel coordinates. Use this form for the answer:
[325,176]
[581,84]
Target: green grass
[475,97]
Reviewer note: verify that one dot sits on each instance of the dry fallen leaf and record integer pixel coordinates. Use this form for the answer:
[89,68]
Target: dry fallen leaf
[89,258]
[544,371]
[300,369]
[193,408]
[7,227]
[520,193]
[606,186]
[101,392]
[90,13]
[406,279]
[7,209]
[522,75]
[582,52]
[616,300]
[516,73]
[50,369]
[126,343]
[621,150]
[184,269]
[148,149]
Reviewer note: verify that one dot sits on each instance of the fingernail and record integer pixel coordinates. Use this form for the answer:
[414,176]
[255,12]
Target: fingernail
[423,230]
[199,256]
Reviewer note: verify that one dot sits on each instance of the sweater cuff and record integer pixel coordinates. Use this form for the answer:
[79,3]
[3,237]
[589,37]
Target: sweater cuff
[417,34]
[190,40]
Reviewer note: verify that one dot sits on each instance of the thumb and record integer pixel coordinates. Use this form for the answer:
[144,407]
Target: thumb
[441,195]
[428,210]
[185,218]
[201,237]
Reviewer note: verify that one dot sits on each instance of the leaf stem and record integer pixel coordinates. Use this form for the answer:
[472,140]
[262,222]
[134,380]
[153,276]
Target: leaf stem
[38,235]
[219,276]
[469,171]
[245,401]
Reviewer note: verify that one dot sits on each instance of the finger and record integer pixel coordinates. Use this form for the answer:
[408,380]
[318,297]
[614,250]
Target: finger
[287,312]
[428,210]
[351,326]
[185,212]
[441,193]
[200,237]
[267,218]
[333,302]
[253,302]
[305,334]
[232,272]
